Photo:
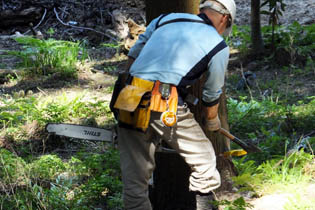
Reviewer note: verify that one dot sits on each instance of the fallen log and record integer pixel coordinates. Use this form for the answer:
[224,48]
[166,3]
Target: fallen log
[23,17]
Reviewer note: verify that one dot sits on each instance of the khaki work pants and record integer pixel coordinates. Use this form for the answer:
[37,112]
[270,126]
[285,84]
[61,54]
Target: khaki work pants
[137,157]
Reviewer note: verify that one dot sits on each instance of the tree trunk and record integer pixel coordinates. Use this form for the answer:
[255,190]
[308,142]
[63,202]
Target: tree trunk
[257,41]
[155,8]
[170,190]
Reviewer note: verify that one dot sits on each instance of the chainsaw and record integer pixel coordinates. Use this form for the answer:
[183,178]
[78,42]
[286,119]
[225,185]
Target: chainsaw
[100,134]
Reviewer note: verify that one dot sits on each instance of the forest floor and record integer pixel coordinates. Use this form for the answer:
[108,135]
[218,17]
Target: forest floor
[98,74]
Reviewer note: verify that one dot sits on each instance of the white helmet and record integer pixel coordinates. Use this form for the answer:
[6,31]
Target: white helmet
[230,9]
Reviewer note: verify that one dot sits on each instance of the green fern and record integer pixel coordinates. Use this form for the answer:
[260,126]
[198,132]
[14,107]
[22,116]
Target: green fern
[49,56]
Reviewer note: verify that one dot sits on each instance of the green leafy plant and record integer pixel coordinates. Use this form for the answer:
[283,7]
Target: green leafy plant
[276,7]
[291,45]
[111,45]
[48,182]
[49,56]
[275,124]
[240,38]
[47,167]
[16,112]
[237,204]
[274,173]
[11,167]
[104,182]
[50,32]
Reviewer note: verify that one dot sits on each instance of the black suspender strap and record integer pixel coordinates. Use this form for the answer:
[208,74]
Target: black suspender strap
[205,20]
[196,72]
[158,22]
[181,20]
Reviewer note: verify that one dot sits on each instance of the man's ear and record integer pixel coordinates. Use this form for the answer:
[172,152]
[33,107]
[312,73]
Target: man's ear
[225,19]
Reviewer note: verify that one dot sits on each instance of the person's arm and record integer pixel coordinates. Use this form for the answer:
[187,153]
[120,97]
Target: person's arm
[143,38]
[213,88]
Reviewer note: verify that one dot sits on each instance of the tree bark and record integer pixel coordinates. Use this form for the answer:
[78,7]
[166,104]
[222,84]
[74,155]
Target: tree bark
[170,190]
[155,8]
[257,41]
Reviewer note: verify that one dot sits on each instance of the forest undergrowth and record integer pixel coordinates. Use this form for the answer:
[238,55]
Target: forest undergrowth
[274,107]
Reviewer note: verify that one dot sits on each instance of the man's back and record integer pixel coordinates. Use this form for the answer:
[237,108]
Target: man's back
[175,48]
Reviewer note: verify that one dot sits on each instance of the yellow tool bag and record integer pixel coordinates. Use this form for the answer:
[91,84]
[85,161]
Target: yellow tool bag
[133,103]
[136,101]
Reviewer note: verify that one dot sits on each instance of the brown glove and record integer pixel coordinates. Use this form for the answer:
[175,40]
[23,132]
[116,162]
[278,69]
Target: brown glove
[212,120]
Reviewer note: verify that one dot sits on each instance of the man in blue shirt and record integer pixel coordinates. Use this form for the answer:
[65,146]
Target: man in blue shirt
[177,49]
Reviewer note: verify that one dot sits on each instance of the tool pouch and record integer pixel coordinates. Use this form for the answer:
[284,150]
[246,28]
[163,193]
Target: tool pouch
[159,104]
[133,103]
[119,85]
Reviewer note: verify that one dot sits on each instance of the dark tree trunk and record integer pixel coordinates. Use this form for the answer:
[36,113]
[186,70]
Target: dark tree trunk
[170,190]
[155,8]
[257,41]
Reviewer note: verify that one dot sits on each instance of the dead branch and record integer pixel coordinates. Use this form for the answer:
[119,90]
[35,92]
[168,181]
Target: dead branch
[83,28]
[40,22]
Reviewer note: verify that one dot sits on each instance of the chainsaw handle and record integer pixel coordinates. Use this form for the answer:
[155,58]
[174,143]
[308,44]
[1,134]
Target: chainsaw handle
[226,133]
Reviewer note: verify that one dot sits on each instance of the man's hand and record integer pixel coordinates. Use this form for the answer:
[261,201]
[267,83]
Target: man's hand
[213,124]
[212,121]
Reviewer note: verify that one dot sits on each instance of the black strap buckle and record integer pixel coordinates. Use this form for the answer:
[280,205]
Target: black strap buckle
[165,90]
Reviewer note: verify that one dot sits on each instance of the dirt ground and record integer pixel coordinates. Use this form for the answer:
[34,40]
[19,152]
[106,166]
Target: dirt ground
[296,10]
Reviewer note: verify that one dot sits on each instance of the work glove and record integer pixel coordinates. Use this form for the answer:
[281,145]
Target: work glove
[213,124]
[212,121]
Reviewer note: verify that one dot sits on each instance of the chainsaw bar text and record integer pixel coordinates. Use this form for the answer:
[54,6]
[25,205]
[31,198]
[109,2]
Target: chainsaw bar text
[92,133]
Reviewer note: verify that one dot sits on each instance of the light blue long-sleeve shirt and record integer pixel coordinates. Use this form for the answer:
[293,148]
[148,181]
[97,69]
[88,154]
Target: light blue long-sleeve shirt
[171,52]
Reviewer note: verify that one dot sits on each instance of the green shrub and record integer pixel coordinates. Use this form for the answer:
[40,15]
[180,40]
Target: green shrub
[275,127]
[86,180]
[12,168]
[47,167]
[287,43]
[17,111]
[104,182]
[239,38]
[295,42]
[49,56]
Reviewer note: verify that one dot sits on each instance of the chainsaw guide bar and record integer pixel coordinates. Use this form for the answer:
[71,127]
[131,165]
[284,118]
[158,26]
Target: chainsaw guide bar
[80,132]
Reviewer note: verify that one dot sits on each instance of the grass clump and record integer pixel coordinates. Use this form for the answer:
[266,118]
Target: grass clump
[85,180]
[43,57]
[12,167]
[274,175]
[16,112]
[281,131]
